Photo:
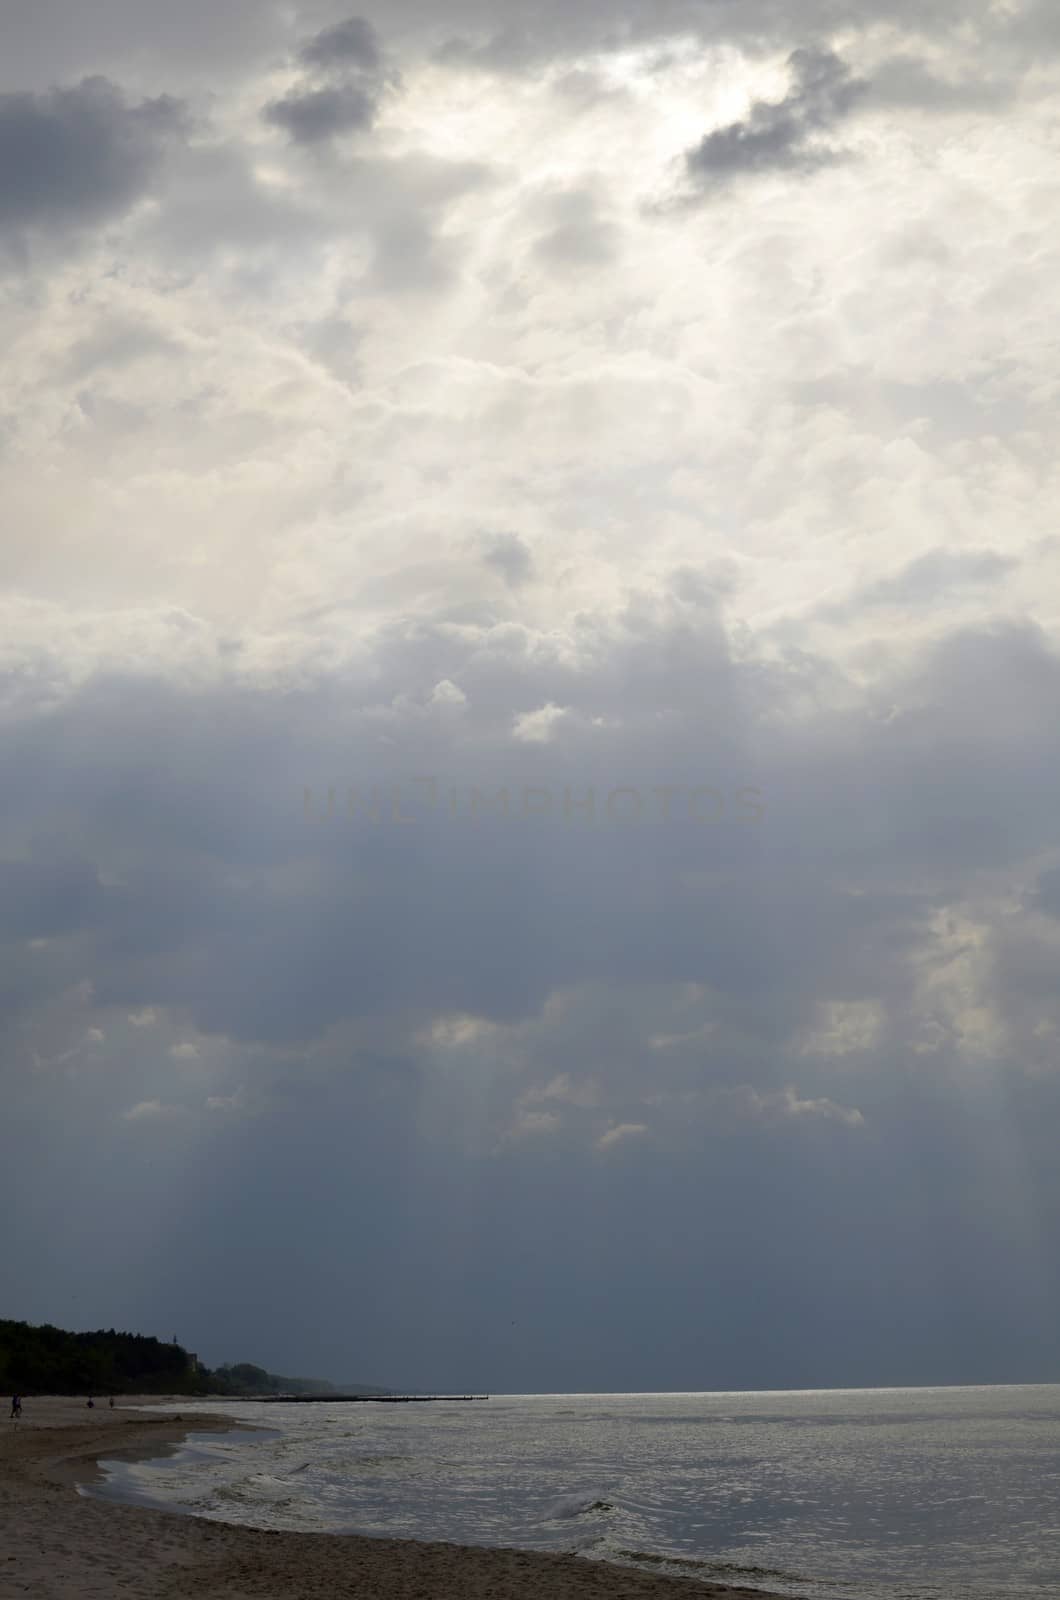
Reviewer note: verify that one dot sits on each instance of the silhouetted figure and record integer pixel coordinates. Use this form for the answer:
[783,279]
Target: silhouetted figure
[16,1406]
[91,1403]
[111,1402]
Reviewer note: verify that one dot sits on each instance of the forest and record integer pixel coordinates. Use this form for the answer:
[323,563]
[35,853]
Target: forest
[47,1360]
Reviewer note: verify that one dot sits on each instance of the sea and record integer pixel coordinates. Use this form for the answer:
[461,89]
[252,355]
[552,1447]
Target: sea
[858,1494]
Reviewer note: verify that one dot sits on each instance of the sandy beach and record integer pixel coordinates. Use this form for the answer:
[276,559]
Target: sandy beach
[61,1545]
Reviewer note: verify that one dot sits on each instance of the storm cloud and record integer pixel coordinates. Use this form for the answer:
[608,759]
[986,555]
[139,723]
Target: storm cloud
[349,59]
[350,43]
[783,135]
[74,156]
[317,114]
[630,976]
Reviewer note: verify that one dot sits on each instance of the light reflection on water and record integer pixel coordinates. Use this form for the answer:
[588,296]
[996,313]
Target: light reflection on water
[931,1494]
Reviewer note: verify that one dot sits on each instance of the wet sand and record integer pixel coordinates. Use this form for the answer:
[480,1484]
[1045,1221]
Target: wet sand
[61,1545]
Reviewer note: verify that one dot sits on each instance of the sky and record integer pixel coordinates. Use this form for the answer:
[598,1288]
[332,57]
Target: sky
[529,660]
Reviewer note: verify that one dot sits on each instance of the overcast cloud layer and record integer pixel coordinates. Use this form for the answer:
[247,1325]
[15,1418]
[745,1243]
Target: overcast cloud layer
[530,833]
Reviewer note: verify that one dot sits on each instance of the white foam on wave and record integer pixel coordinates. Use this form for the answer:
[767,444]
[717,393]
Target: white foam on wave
[578,1505]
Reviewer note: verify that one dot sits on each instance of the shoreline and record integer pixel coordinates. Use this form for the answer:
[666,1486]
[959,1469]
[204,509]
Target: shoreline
[65,1545]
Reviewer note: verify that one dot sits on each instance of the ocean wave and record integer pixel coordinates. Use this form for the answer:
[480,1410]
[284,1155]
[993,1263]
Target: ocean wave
[569,1506]
[867,1517]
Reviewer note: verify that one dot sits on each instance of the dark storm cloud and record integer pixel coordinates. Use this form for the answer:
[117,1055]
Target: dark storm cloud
[353,43]
[313,115]
[349,60]
[669,977]
[73,156]
[783,135]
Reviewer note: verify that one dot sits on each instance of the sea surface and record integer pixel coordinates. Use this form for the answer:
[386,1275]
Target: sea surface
[868,1494]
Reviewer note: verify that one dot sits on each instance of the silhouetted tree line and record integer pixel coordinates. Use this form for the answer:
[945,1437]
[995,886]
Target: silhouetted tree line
[49,1360]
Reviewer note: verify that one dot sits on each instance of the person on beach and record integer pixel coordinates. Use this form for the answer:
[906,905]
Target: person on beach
[91,1403]
[16,1406]
[110,1402]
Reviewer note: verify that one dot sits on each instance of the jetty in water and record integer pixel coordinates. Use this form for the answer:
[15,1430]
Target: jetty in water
[358,1399]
